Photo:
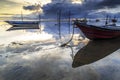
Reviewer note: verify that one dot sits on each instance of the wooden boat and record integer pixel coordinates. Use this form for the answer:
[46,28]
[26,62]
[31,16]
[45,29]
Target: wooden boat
[98,32]
[19,25]
[22,22]
[24,26]
[108,41]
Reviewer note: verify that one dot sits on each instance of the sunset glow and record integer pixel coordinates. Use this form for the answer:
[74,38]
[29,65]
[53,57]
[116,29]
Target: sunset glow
[77,1]
[42,2]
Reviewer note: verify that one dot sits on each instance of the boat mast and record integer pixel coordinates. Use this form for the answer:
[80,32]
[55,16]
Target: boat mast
[114,20]
[106,22]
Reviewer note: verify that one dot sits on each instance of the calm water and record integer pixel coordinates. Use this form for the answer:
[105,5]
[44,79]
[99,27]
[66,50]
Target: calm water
[26,55]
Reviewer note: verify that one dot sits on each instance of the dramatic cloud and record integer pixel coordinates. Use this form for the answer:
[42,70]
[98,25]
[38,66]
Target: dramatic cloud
[100,4]
[63,7]
[109,3]
[83,9]
[42,2]
[76,7]
[54,8]
[32,7]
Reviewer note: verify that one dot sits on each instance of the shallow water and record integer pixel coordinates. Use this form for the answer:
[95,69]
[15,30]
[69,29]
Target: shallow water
[44,60]
[33,61]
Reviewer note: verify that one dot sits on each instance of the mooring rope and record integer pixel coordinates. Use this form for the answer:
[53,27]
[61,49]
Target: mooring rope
[65,44]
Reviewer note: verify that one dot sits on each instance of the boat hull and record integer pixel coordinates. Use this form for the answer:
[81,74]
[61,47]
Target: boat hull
[24,26]
[93,32]
[22,22]
[19,25]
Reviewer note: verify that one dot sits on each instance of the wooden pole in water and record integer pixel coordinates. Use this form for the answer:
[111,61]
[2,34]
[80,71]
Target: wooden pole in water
[59,23]
[21,15]
[39,18]
[69,15]
[39,22]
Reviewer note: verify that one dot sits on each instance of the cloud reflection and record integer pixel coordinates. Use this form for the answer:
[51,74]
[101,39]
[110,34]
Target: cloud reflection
[54,64]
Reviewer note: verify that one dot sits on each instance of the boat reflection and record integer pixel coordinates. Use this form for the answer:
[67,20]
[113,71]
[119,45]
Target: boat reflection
[95,50]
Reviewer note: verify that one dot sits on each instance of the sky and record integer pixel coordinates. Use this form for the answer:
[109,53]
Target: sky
[51,6]
[12,7]
[9,7]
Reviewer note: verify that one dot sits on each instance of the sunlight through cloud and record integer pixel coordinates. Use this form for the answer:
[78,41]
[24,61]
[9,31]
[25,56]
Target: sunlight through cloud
[77,1]
[42,2]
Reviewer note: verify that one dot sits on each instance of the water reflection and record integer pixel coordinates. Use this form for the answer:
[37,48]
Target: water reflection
[30,61]
[95,50]
[33,62]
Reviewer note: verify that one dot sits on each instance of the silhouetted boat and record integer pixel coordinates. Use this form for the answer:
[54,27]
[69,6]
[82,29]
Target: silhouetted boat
[19,25]
[98,32]
[22,22]
[24,26]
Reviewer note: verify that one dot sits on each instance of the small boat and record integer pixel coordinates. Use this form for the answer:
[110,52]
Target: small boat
[22,22]
[94,32]
[100,48]
[19,25]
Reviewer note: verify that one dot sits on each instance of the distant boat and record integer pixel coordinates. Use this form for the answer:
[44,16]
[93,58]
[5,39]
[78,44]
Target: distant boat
[94,32]
[20,25]
[22,22]
[24,26]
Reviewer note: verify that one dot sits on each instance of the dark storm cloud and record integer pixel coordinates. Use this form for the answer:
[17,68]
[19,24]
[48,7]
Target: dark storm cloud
[109,3]
[52,9]
[78,9]
[31,7]
[100,4]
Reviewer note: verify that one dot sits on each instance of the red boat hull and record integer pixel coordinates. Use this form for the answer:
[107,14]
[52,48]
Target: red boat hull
[93,32]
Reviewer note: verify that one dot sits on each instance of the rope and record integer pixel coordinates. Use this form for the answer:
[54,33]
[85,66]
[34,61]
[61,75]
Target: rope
[63,45]
[72,54]
[66,44]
